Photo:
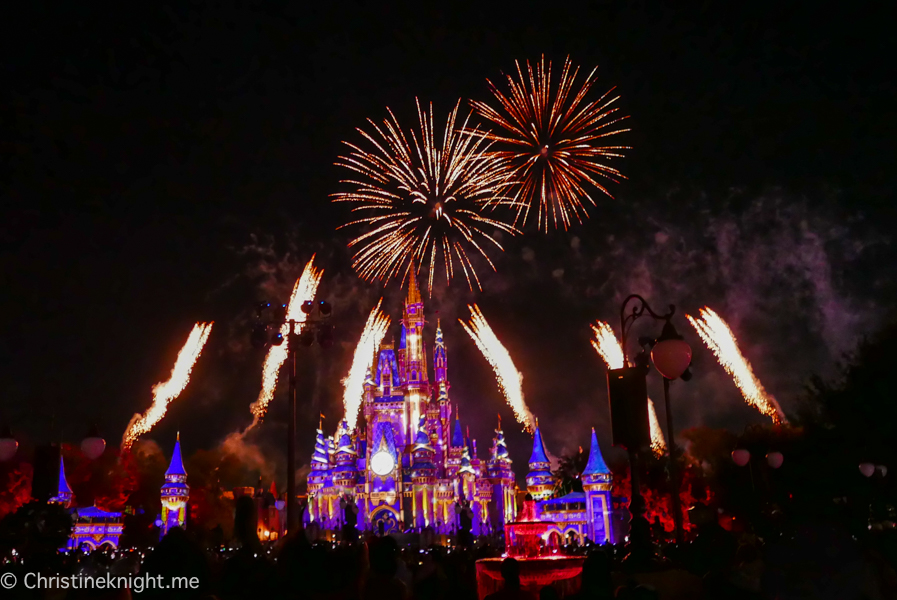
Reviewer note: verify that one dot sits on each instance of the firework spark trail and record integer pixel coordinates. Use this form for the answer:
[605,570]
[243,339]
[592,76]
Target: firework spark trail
[303,291]
[719,338]
[549,146]
[423,201]
[353,385]
[164,393]
[658,443]
[608,348]
[510,380]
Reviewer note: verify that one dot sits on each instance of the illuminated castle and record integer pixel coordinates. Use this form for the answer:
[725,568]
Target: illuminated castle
[92,527]
[410,466]
[174,492]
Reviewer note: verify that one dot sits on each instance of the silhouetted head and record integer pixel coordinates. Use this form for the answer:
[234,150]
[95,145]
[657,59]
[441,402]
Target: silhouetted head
[510,572]
[383,553]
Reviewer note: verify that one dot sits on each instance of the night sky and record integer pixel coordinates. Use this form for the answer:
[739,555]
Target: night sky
[173,164]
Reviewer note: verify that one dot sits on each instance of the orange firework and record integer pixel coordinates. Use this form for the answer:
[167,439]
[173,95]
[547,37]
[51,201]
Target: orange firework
[303,291]
[164,393]
[719,338]
[422,201]
[549,143]
[608,348]
[510,380]
[353,385]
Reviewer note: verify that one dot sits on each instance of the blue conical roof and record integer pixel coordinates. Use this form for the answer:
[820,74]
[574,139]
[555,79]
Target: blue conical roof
[457,435]
[177,463]
[500,449]
[422,438]
[63,485]
[402,338]
[596,464]
[539,455]
[320,455]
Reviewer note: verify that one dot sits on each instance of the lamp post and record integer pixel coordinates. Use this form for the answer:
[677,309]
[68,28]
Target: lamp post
[671,356]
[313,325]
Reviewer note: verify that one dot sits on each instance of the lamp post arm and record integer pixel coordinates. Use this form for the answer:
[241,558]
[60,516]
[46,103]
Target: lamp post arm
[639,309]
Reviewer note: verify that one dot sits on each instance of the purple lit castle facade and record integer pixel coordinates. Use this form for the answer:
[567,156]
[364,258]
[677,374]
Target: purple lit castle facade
[409,465]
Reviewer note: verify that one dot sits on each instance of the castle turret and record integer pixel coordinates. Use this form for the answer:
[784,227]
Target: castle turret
[504,505]
[63,491]
[175,492]
[345,473]
[539,481]
[596,483]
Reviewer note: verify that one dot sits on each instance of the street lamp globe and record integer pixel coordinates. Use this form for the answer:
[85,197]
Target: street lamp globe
[741,457]
[867,469]
[93,445]
[671,354]
[8,445]
[775,459]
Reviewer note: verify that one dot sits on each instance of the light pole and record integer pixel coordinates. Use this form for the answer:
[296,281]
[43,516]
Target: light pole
[671,356]
[314,325]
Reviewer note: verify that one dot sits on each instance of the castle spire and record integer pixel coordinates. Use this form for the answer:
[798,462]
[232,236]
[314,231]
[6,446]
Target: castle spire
[177,463]
[539,456]
[63,491]
[596,464]
[413,291]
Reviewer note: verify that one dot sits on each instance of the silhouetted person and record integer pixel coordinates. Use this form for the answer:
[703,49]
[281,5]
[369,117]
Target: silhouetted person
[510,573]
[382,583]
[177,556]
[597,583]
[549,593]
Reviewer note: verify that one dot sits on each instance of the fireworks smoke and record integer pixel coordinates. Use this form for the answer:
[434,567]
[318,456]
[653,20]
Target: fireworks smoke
[549,145]
[164,393]
[608,348]
[353,385]
[422,202]
[303,291]
[510,380]
[719,338]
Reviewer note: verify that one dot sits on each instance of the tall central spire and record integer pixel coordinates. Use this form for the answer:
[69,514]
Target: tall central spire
[413,291]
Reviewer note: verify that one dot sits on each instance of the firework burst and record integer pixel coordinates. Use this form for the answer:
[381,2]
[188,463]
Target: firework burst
[608,348]
[719,338]
[549,142]
[353,385]
[164,393]
[303,291]
[422,201]
[510,380]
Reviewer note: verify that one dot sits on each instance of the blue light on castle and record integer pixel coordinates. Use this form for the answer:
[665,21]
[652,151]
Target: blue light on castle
[410,466]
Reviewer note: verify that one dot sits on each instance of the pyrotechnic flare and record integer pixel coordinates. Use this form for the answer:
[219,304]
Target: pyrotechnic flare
[719,338]
[550,141]
[510,380]
[422,201]
[303,291]
[353,385]
[608,348]
[164,393]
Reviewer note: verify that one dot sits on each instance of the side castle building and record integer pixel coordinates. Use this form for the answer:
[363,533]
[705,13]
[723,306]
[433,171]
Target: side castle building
[410,466]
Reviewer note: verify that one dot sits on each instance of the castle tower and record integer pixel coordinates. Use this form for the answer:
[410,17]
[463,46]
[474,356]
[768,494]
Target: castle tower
[596,483]
[504,505]
[442,406]
[413,369]
[318,506]
[63,491]
[423,476]
[539,481]
[175,492]
[345,473]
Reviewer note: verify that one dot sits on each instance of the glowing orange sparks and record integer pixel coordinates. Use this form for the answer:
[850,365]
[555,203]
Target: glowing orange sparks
[608,348]
[422,201]
[549,145]
[303,291]
[719,338]
[510,380]
[164,393]
[353,385]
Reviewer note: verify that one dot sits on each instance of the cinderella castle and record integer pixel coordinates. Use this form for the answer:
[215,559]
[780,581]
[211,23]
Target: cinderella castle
[410,466]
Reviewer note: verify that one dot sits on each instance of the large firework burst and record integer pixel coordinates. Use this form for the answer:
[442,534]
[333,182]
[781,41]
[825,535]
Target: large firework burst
[549,142]
[422,201]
